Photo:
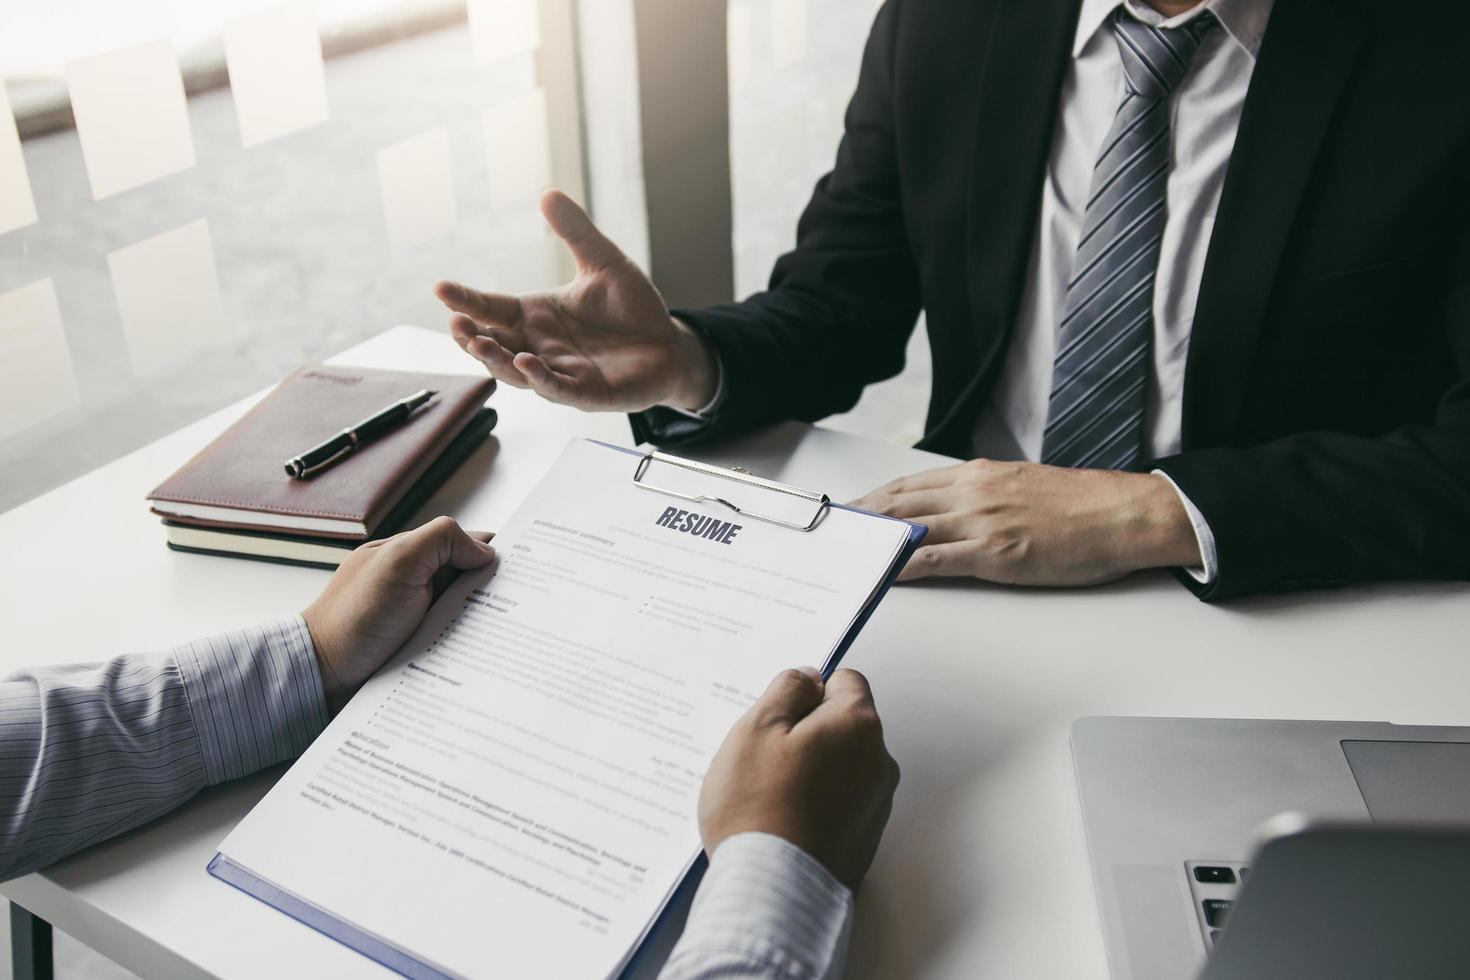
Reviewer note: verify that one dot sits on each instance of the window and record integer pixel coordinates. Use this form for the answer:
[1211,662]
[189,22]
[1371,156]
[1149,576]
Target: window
[167,255]
[793,66]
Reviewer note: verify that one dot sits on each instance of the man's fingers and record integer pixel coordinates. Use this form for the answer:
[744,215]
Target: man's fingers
[591,248]
[914,503]
[461,549]
[933,479]
[464,330]
[789,698]
[545,381]
[874,499]
[915,482]
[442,543]
[500,360]
[944,528]
[501,309]
[950,558]
[847,695]
[941,476]
[849,686]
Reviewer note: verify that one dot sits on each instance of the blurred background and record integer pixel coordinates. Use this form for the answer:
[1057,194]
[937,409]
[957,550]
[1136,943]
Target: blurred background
[196,196]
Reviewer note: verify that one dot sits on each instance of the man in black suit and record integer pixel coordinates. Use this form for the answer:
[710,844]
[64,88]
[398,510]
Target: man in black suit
[1196,278]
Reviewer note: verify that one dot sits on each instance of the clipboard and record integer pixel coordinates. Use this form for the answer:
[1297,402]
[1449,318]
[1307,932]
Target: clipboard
[820,501]
[756,498]
[820,504]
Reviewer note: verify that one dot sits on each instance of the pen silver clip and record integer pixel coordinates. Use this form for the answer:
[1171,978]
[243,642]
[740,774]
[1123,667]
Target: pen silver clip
[820,501]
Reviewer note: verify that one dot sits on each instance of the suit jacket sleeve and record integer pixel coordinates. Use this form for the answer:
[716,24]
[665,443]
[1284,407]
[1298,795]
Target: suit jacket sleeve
[840,307]
[90,750]
[1329,508]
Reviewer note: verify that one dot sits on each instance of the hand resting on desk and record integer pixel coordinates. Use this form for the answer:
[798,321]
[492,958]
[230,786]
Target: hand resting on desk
[1031,524]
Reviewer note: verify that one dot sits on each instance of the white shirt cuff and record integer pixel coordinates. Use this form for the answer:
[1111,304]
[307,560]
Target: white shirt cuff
[706,411]
[1209,566]
[766,908]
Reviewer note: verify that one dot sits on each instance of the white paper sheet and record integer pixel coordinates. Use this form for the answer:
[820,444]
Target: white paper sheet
[501,28]
[36,376]
[514,795]
[168,296]
[518,150]
[417,181]
[276,74]
[17,205]
[132,117]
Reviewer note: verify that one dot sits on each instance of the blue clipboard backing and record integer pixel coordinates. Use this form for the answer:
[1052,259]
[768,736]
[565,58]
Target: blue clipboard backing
[386,954]
[917,533]
[406,964]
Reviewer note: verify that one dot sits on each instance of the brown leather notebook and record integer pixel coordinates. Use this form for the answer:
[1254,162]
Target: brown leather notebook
[239,480]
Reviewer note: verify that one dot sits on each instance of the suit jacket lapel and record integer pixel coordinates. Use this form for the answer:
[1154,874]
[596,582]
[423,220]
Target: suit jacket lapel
[1306,58]
[1026,46]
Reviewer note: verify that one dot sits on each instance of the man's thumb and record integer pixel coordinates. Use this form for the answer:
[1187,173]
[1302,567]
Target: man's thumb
[590,247]
[791,696]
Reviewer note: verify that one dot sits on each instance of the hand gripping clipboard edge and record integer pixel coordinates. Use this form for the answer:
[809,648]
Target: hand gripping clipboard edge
[683,892]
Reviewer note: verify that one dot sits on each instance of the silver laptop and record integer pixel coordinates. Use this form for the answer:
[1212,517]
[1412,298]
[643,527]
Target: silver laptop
[1174,809]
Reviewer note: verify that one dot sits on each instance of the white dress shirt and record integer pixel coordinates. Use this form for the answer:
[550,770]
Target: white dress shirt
[1204,116]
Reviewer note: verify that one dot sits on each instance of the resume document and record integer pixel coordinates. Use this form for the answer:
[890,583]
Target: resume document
[514,793]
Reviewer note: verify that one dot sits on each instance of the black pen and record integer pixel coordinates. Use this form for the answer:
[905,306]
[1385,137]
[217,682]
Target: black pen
[344,442]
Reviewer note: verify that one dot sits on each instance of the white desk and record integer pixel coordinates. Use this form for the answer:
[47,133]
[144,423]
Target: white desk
[983,870]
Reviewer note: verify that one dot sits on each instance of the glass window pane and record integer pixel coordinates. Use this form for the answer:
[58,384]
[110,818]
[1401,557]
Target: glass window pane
[311,170]
[789,88]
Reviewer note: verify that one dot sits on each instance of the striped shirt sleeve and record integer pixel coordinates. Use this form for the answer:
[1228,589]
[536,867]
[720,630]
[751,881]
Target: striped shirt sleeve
[766,909]
[90,750]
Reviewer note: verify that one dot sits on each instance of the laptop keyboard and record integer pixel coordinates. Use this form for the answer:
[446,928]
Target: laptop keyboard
[1213,886]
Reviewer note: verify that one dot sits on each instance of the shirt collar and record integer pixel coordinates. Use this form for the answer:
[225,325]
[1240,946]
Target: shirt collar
[1243,20]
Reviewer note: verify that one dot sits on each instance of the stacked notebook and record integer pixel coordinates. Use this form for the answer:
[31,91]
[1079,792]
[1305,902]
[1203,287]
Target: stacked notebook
[235,498]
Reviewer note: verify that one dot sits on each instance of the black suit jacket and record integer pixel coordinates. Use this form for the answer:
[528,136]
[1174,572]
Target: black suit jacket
[1326,414]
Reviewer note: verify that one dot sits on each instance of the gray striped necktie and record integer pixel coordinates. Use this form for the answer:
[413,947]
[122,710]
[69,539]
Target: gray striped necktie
[1095,415]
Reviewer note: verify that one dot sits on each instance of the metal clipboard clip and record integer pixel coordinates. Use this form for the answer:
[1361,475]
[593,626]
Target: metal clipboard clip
[820,501]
